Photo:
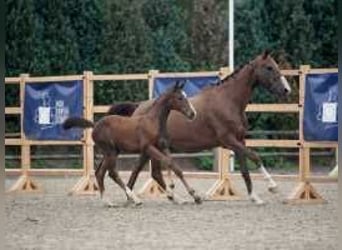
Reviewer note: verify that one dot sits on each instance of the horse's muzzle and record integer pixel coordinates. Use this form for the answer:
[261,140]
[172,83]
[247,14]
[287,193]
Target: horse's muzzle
[191,115]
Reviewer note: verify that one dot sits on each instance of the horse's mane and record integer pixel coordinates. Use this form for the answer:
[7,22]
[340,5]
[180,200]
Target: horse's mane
[232,75]
[221,81]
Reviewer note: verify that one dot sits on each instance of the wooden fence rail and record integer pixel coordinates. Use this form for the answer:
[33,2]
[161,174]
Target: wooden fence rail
[222,189]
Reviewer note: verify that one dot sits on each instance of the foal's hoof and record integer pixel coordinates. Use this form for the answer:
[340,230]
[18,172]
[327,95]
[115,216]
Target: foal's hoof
[109,204]
[130,202]
[198,200]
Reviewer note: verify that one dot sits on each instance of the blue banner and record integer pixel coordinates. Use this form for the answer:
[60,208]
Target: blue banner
[192,86]
[320,107]
[47,105]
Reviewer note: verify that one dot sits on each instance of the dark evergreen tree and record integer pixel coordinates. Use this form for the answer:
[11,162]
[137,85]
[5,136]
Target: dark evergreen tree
[209,40]
[166,26]
[20,37]
[56,48]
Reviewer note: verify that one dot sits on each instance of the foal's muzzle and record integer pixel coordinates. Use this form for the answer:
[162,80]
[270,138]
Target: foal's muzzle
[189,113]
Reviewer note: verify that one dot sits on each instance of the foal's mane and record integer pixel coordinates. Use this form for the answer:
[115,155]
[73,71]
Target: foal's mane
[162,96]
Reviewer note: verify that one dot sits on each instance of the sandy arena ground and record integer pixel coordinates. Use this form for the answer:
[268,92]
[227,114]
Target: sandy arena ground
[54,220]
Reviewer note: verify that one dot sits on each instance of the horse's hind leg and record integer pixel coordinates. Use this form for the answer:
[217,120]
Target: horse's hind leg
[156,154]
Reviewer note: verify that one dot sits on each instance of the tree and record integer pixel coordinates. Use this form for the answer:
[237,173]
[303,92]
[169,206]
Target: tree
[56,48]
[20,37]
[208,35]
[166,27]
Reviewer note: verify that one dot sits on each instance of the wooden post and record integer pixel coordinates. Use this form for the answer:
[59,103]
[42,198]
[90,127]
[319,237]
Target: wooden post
[25,183]
[86,185]
[151,189]
[304,193]
[223,188]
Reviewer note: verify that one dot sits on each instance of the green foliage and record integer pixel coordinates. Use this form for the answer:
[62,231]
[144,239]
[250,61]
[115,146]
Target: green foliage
[166,26]
[118,36]
[204,162]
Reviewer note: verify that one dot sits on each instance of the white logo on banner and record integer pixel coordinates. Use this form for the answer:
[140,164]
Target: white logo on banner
[49,114]
[327,112]
[44,115]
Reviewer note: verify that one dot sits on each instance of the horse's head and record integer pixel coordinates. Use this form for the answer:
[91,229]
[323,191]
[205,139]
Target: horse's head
[177,100]
[269,76]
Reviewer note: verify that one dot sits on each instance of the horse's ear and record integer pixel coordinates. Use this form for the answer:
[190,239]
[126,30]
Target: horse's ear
[266,53]
[176,86]
[181,86]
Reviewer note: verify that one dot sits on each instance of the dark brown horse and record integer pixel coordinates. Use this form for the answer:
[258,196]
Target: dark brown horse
[124,109]
[137,134]
[221,119]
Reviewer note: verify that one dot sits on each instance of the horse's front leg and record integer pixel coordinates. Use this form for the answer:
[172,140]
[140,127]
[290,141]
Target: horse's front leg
[240,150]
[272,185]
[156,154]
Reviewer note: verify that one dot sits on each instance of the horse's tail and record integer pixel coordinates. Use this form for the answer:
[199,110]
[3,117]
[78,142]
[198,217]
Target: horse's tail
[123,109]
[78,122]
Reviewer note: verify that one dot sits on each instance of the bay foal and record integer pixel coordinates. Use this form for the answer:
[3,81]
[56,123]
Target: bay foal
[142,134]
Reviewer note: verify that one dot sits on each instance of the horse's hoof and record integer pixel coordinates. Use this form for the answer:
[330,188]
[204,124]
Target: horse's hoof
[110,205]
[138,204]
[258,202]
[255,199]
[170,198]
[198,200]
[273,188]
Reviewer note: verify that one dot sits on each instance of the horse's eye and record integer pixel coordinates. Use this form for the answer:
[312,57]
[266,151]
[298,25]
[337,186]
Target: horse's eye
[269,68]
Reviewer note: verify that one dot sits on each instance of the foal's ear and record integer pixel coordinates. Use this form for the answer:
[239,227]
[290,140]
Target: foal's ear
[266,53]
[181,85]
[178,85]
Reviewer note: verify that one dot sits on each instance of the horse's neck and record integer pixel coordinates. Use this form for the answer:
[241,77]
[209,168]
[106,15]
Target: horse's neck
[239,87]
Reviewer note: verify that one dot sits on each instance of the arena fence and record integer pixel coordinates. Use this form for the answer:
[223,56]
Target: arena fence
[222,189]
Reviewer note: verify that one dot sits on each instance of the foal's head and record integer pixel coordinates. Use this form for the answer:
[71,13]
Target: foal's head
[269,76]
[177,100]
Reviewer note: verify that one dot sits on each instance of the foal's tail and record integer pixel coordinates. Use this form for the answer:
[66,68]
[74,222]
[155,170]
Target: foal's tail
[78,122]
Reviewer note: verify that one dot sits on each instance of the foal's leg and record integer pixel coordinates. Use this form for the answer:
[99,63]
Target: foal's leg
[100,173]
[169,174]
[136,170]
[116,178]
[158,177]
[156,154]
